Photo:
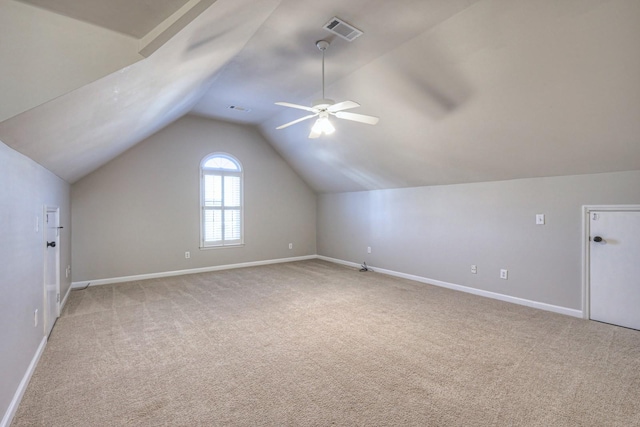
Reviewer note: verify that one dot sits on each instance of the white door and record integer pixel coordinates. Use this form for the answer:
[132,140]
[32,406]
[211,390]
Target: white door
[51,269]
[614,258]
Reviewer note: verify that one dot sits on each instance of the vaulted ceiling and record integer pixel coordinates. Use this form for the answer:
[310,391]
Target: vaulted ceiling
[466,90]
[135,18]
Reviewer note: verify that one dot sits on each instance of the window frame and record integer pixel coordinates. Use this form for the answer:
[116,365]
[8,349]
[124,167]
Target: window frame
[220,172]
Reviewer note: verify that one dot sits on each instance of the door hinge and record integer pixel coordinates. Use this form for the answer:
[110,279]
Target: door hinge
[58,298]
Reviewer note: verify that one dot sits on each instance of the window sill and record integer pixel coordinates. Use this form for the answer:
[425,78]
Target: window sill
[205,248]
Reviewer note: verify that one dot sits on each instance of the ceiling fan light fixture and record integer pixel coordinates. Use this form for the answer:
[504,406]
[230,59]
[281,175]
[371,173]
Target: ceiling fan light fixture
[323,126]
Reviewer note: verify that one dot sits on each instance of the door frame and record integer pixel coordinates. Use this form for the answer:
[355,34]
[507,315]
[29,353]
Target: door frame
[51,209]
[586,246]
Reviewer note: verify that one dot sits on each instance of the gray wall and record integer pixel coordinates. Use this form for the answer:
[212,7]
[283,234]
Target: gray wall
[139,213]
[25,188]
[438,232]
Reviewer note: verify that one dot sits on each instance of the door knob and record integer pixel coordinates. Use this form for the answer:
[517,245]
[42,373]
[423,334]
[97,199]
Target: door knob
[597,239]
[52,244]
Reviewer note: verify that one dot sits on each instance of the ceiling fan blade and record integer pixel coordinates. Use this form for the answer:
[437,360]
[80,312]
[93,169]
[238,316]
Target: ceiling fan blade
[370,120]
[313,134]
[344,105]
[300,107]
[296,121]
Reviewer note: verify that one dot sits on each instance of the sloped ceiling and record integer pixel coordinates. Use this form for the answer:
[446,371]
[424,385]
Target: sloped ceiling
[76,133]
[466,90]
[135,18]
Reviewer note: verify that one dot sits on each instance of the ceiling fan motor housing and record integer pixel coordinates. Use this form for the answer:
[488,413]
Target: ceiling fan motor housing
[323,104]
[322,44]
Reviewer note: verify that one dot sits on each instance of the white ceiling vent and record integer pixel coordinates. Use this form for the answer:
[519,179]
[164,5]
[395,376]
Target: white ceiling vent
[339,27]
[239,108]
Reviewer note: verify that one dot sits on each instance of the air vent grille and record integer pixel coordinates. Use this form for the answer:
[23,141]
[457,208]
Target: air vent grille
[239,108]
[340,28]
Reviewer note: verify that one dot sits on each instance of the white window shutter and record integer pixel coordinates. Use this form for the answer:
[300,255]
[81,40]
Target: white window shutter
[221,205]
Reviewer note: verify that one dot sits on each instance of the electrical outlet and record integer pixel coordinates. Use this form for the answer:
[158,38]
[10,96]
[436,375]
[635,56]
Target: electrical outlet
[187,255]
[35,318]
[290,245]
[474,269]
[504,274]
[368,249]
[539,219]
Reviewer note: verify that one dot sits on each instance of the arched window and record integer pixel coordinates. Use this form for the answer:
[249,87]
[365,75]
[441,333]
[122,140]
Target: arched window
[221,201]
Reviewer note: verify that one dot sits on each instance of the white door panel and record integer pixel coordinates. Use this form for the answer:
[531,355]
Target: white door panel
[615,268]
[51,269]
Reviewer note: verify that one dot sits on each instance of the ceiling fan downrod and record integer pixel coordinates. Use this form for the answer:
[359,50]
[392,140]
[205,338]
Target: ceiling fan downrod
[322,45]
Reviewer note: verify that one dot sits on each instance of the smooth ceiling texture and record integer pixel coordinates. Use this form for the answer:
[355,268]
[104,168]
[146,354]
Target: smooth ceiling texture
[466,90]
[76,133]
[132,17]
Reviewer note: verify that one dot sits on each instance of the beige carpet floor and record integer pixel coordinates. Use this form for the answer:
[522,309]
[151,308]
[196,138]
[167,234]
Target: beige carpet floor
[316,344]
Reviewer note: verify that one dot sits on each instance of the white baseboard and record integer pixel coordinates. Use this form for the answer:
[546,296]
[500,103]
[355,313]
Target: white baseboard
[340,261]
[461,288]
[480,292]
[17,397]
[122,279]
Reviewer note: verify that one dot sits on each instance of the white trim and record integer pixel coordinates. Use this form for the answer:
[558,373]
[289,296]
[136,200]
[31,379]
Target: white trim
[339,261]
[586,238]
[17,397]
[189,271]
[64,300]
[507,298]
[612,208]
[585,262]
[453,286]
[236,245]
[51,209]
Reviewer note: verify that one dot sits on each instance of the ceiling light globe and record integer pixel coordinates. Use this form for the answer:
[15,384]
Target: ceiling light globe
[327,127]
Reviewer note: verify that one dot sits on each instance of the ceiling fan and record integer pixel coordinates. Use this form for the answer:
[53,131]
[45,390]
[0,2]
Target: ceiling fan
[323,108]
